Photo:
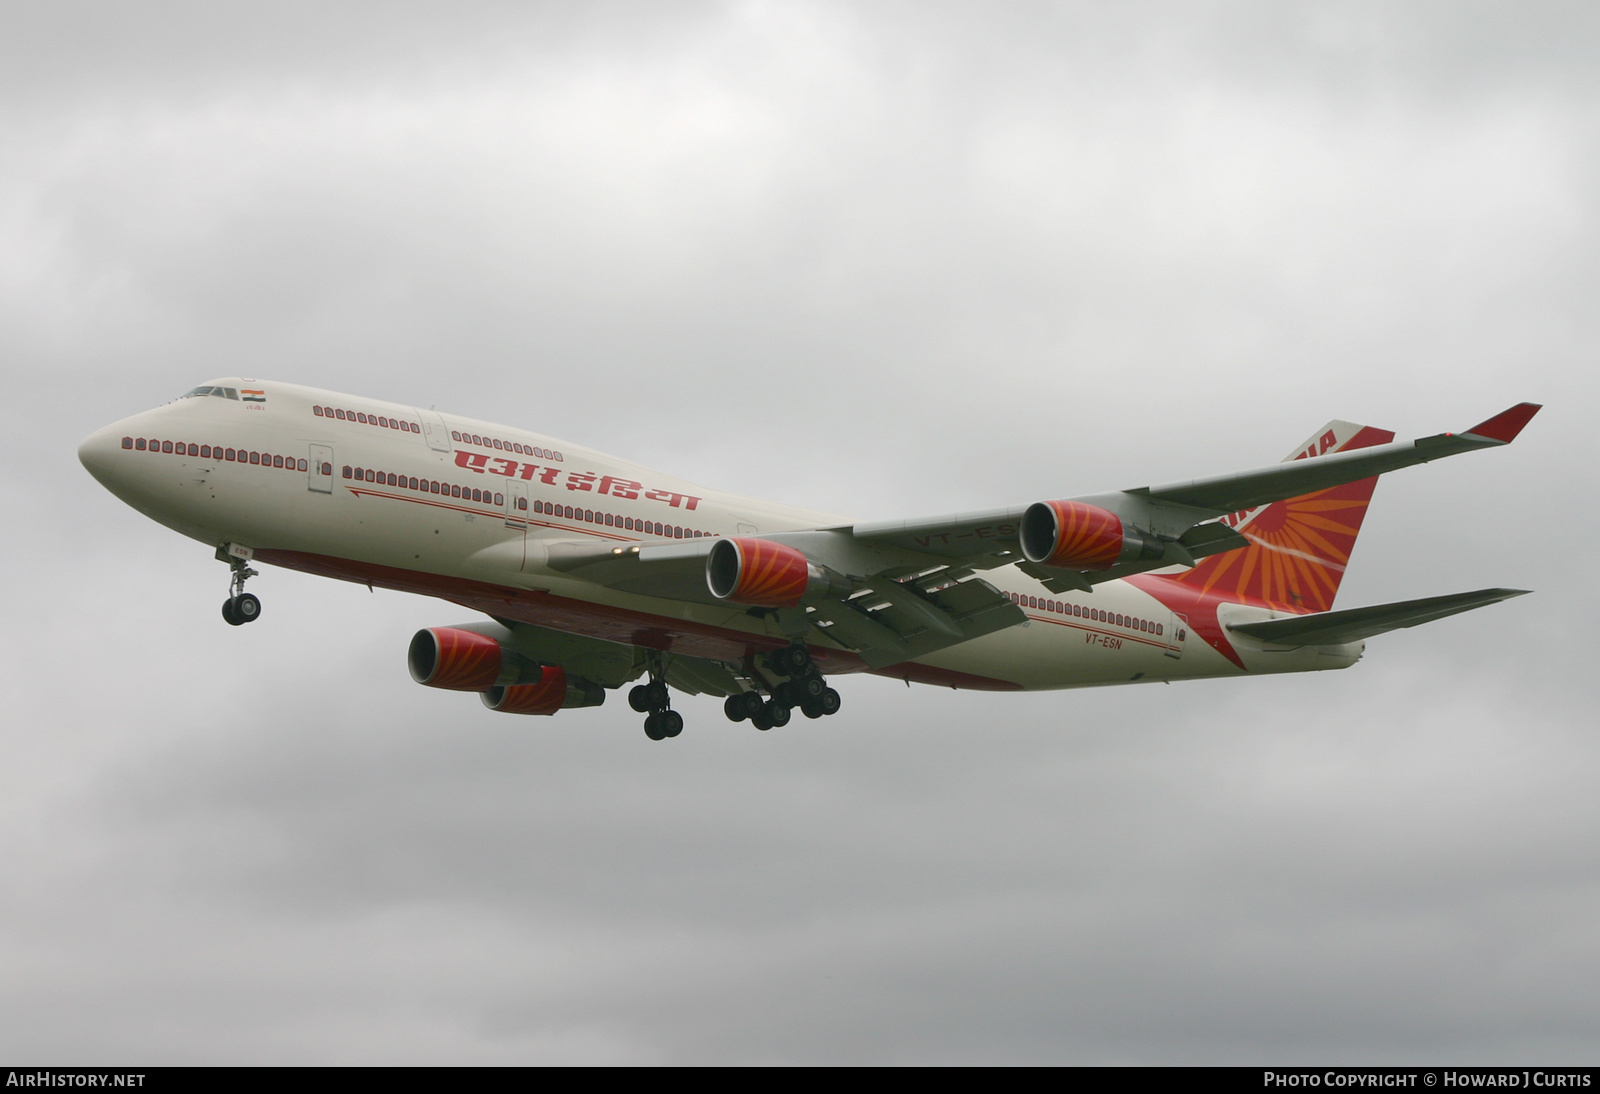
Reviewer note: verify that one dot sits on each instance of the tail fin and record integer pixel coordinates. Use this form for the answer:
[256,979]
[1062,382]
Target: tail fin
[1299,547]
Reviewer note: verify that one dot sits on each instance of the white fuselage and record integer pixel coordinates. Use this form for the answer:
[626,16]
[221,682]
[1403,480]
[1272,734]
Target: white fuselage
[467,509]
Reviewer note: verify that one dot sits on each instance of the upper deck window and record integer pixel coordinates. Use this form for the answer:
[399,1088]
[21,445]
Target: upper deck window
[219,392]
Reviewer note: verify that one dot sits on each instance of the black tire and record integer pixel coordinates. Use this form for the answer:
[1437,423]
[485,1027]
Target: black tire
[829,701]
[639,698]
[784,693]
[777,714]
[760,720]
[796,660]
[658,695]
[752,703]
[670,723]
[653,728]
[809,687]
[733,707]
[228,614]
[247,607]
[812,708]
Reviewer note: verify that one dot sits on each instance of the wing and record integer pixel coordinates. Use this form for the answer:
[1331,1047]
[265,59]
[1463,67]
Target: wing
[1079,542]
[895,590]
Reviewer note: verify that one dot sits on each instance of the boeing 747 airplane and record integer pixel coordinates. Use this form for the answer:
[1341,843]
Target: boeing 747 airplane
[596,573]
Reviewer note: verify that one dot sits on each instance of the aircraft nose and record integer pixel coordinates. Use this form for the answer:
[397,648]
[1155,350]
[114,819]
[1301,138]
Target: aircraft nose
[98,454]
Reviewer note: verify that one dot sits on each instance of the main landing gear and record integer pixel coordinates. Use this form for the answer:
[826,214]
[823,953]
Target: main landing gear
[805,689]
[652,700]
[240,607]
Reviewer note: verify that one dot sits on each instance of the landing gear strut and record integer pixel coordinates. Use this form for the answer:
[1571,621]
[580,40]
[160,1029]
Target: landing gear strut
[652,700]
[240,607]
[805,689]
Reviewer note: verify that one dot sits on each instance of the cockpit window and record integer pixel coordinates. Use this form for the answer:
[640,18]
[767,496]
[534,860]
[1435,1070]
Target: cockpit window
[219,392]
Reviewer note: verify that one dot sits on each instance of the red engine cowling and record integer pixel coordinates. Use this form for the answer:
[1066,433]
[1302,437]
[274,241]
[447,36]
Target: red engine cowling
[448,657]
[757,572]
[554,691]
[1075,536]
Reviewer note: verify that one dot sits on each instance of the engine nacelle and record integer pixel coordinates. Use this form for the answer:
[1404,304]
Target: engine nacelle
[554,691]
[1074,536]
[449,657]
[763,574]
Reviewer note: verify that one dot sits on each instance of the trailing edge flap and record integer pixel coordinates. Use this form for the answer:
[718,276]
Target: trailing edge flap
[890,621]
[1336,628]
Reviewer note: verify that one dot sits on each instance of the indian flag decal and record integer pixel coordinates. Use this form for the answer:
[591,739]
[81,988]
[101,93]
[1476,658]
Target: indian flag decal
[249,396]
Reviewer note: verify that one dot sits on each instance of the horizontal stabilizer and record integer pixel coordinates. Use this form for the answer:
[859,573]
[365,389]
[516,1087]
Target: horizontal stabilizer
[1354,624]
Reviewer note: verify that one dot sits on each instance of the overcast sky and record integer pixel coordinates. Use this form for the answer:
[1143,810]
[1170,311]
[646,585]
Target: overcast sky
[888,260]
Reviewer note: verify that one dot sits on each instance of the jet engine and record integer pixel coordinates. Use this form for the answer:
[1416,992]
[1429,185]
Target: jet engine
[457,659]
[1071,535]
[763,574]
[465,660]
[554,691]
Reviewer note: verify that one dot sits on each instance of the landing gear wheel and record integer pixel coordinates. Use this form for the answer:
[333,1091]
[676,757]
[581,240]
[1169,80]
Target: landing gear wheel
[654,729]
[808,687]
[670,723]
[760,719]
[639,698]
[733,707]
[657,693]
[777,714]
[227,613]
[792,660]
[829,701]
[246,608]
[812,708]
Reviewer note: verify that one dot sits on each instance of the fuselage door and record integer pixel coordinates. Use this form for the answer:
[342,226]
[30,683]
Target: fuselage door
[1177,632]
[435,431]
[320,476]
[517,504]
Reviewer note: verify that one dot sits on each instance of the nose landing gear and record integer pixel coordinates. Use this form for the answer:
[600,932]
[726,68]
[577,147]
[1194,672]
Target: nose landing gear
[240,607]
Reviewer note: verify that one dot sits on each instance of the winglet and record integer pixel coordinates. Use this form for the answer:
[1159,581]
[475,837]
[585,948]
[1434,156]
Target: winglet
[1505,426]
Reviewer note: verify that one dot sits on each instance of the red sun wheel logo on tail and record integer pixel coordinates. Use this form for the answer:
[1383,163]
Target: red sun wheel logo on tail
[1298,551]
